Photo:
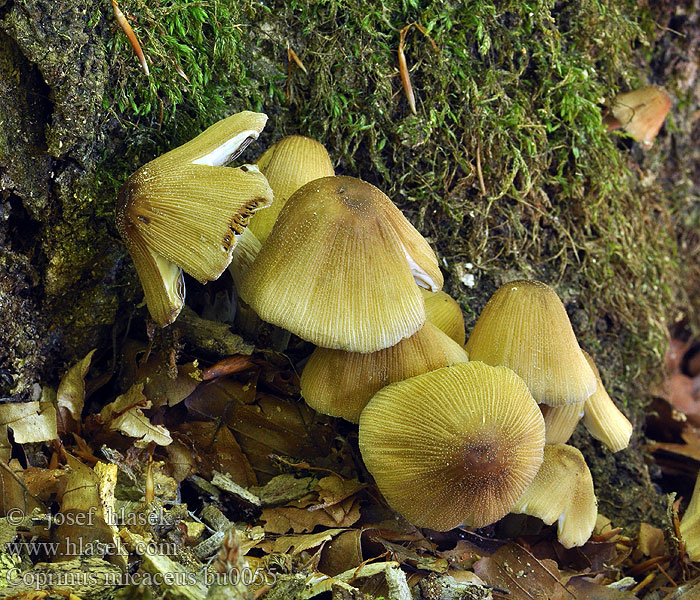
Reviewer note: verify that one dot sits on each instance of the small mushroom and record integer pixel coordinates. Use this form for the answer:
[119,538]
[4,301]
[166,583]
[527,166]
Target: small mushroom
[604,421]
[690,524]
[640,113]
[340,383]
[244,253]
[184,209]
[457,445]
[562,491]
[560,421]
[289,164]
[524,326]
[340,266]
[443,311]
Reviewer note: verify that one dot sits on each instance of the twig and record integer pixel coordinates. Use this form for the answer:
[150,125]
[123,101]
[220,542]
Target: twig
[131,36]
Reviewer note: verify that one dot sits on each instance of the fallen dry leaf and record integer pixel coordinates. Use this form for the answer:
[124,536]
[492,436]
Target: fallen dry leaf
[525,577]
[295,544]
[212,447]
[125,415]
[29,421]
[650,540]
[71,391]
[299,520]
[15,494]
[585,589]
[342,553]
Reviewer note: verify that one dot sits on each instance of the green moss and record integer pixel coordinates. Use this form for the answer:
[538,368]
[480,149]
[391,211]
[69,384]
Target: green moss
[516,87]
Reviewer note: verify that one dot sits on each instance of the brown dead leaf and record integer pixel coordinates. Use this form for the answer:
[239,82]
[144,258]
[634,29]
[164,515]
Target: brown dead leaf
[295,544]
[342,553]
[525,577]
[300,520]
[651,540]
[674,354]
[426,561]
[15,494]
[163,389]
[334,489]
[181,461]
[44,482]
[586,589]
[691,448]
[683,393]
[263,424]
[29,421]
[215,449]
[228,366]
[71,391]
[84,500]
[126,416]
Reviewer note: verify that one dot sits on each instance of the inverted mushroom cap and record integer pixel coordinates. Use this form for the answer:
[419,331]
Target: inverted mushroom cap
[162,282]
[459,444]
[524,326]
[288,165]
[188,210]
[560,421]
[563,492]
[604,421]
[338,268]
[340,383]
[641,112]
[443,311]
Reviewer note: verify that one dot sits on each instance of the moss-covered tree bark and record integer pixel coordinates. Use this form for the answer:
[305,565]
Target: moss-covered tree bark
[506,167]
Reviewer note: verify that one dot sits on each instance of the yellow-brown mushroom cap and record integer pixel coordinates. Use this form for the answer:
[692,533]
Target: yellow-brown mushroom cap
[690,524]
[560,421]
[459,444]
[340,383]
[524,326]
[604,421]
[562,491]
[188,209]
[443,311]
[289,164]
[339,268]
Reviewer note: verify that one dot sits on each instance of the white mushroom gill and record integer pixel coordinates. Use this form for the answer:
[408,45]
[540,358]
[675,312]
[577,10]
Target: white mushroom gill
[228,150]
[422,278]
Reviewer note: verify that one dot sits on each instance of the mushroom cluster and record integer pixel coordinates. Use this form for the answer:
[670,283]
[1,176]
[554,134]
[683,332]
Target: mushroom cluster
[452,433]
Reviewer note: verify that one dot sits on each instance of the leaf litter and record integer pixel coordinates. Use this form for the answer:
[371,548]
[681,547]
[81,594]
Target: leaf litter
[195,470]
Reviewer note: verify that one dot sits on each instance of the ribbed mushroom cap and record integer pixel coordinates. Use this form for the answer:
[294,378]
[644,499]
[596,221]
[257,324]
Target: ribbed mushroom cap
[162,282]
[289,164]
[690,524]
[340,383]
[244,252]
[524,326]
[336,269]
[560,421]
[188,210]
[563,492]
[641,112]
[443,311]
[604,421]
[459,444]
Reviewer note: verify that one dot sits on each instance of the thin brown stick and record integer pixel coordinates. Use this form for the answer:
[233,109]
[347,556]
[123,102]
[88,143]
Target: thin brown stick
[403,70]
[403,67]
[479,174]
[130,35]
[292,56]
